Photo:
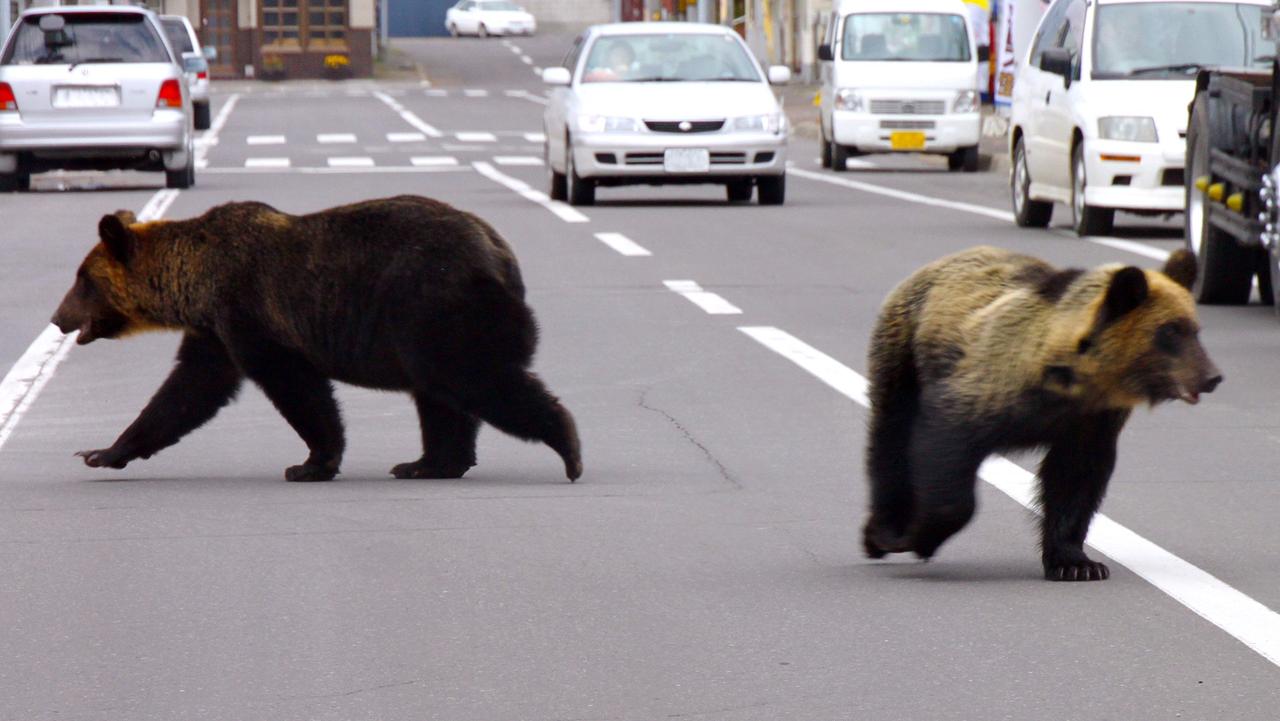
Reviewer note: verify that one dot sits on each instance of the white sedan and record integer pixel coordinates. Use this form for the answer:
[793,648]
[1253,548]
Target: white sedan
[664,103]
[483,18]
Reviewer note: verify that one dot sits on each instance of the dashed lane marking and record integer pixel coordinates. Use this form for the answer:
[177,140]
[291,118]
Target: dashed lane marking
[535,137]
[433,160]
[265,140]
[706,300]
[475,137]
[408,116]
[564,211]
[406,137]
[436,93]
[623,244]
[266,163]
[475,93]
[331,138]
[350,162]
[517,160]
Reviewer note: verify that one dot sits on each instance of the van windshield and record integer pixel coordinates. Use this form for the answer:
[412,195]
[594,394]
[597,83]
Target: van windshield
[906,37]
[1175,40]
[87,38]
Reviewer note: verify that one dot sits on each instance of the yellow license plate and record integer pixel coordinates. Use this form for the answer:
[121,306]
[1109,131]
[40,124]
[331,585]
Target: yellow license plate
[906,141]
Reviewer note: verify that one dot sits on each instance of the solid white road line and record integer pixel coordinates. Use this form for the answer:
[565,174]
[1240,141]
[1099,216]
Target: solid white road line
[325,170]
[437,93]
[475,93]
[1128,245]
[266,163]
[265,140]
[526,60]
[517,160]
[526,95]
[433,160]
[22,384]
[428,129]
[336,138]
[476,137]
[210,137]
[1250,622]
[351,162]
[535,137]
[405,137]
[157,205]
[706,300]
[622,244]
[564,211]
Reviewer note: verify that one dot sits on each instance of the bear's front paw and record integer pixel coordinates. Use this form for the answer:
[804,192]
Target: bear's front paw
[430,469]
[310,472]
[877,541]
[105,458]
[1076,569]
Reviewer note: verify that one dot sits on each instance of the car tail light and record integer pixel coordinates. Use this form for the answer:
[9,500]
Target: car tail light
[170,95]
[202,75]
[7,101]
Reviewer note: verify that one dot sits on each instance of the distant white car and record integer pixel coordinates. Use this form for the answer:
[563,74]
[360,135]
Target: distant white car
[660,103]
[1099,114]
[182,38]
[483,18]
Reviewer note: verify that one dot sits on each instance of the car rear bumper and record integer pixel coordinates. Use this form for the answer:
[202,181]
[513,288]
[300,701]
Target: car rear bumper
[1137,176]
[874,133]
[95,144]
[639,156]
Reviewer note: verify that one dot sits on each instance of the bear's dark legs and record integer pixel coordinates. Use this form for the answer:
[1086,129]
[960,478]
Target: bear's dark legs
[516,402]
[944,464]
[305,398]
[888,440]
[1073,480]
[448,441]
[203,380]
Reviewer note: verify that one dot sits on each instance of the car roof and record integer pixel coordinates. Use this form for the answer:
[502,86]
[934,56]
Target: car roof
[901,6]
[661,27]
[80,9]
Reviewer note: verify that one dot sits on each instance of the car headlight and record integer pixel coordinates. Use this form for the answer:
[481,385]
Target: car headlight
[1123,127]
[759,123]
[966,101]
[606,124]
[848,99]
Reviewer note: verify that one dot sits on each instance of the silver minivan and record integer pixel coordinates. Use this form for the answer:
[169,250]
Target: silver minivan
[92,88]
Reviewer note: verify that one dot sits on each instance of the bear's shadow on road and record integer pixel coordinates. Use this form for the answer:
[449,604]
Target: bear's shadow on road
[953,571]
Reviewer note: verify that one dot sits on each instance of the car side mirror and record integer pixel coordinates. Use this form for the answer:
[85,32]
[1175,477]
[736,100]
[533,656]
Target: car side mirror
[1057,61]
[210,52]
[824,52]
[984,53]
[779,74]
[556,76]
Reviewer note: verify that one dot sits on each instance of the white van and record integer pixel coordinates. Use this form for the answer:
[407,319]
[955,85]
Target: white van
[900,75]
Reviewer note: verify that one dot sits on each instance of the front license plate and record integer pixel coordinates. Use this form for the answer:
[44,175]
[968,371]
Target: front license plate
[906,140]
[75,96]
[686,160]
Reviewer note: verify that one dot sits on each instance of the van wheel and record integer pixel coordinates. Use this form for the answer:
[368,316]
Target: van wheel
[201,111]
[1027,213]
[739,191]
[825,145]
[182,178]
[1224,269]
[772,189]
[965,159]
[14,182]
[581,191]
[1086,219]
[839,157]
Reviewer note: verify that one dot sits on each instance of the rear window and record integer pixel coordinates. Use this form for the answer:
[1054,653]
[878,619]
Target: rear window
[179,38]
[87,38]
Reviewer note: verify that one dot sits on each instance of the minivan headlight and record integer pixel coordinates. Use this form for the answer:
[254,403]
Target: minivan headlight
[1131,128]
[771,123]
[848,99]
[606,124]
[966,101]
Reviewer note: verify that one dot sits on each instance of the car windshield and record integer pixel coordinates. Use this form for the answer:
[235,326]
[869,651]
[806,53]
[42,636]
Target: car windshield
[87,38]
[676,57]
[1175,40]
[493,6]
[905,37]
[179,38]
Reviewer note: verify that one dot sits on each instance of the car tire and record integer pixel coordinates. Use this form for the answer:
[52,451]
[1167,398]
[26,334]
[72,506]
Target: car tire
[739,191]
[482,31]
[559,189]
[772,189]
[825,145]
[1224,269]
[453,30]
[1086,219]
[201,113]
[581,191]
[965,159]
[15,182]
[182,178]
[1027,213]
[839,157]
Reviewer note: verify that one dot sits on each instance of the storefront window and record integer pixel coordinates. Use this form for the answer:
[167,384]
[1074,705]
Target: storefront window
[304,24]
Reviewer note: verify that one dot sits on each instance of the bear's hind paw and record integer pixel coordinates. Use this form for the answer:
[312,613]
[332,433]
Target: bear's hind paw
[430,469]
[308,472]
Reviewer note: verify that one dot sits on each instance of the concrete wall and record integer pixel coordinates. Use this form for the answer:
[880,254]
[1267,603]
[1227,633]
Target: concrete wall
[571,14]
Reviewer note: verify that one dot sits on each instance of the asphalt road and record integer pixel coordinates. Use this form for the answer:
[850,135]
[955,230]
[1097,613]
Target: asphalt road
[708,563]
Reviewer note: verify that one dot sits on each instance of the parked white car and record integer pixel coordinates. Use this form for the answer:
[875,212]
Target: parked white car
[483,18]
[900,76]
[662,103]
[1099,115]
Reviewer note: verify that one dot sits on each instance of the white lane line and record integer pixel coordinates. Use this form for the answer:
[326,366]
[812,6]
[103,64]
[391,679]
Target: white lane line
[526,95]
[265,140]
[706,300]
[266,163]
[1004,215]
[535,137]
[157,205]
[210,137]
[517,160]
[514,93]
[28,376]
[476,137]
[436,93]
[1250,622]
[325,170]
[329,138]
[526,60]
[537,71]
[475,93]
[405,137]
[433,160]
[564,211]
[426,128]
[350,162]
[622,244]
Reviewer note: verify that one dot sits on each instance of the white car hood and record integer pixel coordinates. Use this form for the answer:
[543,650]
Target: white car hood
[892,76]
[676,101]
[1164,100]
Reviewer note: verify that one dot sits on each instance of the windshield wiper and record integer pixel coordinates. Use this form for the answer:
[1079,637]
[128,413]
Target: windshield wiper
[1185,68]
[653,79]
[94,60]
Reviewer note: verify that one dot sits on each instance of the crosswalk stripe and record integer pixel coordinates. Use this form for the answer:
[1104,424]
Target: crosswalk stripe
[351,162]
[517,160]
[405,137]
[265,140]
[469,137]
[427,160]
[336,138]
[266,163]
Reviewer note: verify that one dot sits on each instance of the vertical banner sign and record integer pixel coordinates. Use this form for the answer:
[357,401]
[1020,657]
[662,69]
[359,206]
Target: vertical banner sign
[1006,58]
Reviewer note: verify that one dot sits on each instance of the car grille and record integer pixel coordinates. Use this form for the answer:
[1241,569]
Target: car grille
[907,125]
[717,158]
[694,126]
[908,107]
[1172,176]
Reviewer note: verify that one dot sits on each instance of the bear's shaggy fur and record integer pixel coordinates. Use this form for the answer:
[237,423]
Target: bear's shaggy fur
[987,351]
[402,293]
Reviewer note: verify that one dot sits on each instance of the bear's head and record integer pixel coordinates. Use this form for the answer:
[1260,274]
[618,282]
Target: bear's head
[104,301]
[1140,340]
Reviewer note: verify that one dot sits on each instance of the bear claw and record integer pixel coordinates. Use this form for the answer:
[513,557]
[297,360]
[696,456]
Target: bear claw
[308,472]
[1084,570]
[103,458]
[425,469]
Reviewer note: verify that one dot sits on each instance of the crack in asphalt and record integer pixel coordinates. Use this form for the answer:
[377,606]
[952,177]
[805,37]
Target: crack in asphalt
[642,401]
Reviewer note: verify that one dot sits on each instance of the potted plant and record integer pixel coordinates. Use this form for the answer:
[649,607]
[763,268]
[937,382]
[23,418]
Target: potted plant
[272,67]
[337,66]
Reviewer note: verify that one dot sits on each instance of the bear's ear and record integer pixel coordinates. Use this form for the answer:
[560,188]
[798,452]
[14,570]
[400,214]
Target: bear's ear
[1181,268]
[126,216]
[1126,292]
[120,241]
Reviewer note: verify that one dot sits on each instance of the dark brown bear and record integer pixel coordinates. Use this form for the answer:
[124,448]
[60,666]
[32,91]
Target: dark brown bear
[402,293]
[988,351]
